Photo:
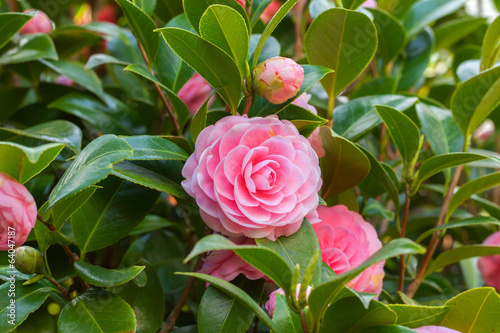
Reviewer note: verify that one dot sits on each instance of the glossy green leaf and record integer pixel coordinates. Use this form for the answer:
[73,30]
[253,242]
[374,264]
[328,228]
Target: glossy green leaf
[97,310]
[405,134]
[296,249]
[305,121]
[322,295]
[58,131]
[238,294]
[398,8]
[270,27]
[11,23]
[213,64]
[199,121]
[347,49]
[23,163]
[413,316]
[475,186]
[355,118]
[426,11]
[491,45]
[147,6]
[391,34]
[99,59]
[195,9]
[258,7]
[453,31]
[111,212]
[148,147]
[29,49]
[344,165]
[285,319]
[224,27]
[103,277]
[142,26]
[352,4]
[475,99]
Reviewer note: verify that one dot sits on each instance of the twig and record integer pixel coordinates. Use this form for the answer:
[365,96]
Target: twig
[413,286]
[248,103]
[61,288]
[72,256]
[12,5]
[303,320]
[299,11]
[402,233]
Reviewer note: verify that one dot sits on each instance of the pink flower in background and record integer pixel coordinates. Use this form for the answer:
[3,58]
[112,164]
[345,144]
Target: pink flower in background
[278,79]
[270,10]
[63,80]
[485,131]
[271,303]
[40,23]
[490,266]
[242,2]
[314,138]
[434,329]
[17,211]
[227,265]
[369,4]
[346,241]
[195,92]
[256,177]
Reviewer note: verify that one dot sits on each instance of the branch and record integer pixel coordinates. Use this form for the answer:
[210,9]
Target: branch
[72,256]
[402,263]
[64,291]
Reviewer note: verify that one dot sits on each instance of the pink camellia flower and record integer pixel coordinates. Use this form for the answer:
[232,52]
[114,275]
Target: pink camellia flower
[271,303]
[490,266]
[40,23]
[270,10]
[314,138]
[369,4]
[227,265]
[195,92]
[346,241]
[434,329]
[17,212]
[278,79]
[256,177]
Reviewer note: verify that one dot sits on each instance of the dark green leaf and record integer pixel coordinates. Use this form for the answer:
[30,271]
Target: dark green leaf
[390,33]
[413,316]
[285,319]
[305,121]
[195,9]
[11,23]
[148,147]
[453,31]
[30,48]
[99,59]
[103,277]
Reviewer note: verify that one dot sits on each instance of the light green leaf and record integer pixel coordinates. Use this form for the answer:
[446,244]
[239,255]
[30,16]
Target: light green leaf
[284,318]
[30,48]
[11,23]
[413,316]
[147,147]
[99,59]
[305,121]
[491,45]
[453,31]
[147,6]
[103,277]
[390,33]
[195,9]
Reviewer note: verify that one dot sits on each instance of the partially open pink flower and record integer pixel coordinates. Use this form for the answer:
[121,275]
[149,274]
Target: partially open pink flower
[490,266]
[270,10]
[40,23]
[17,213]
[271,303]
[434,329]
[278,79]
[314,138]
[227,265]
[256,177]
[346,241]
[195,92]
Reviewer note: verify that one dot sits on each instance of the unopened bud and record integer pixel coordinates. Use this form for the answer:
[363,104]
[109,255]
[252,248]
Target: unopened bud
[28,260]
[40,23]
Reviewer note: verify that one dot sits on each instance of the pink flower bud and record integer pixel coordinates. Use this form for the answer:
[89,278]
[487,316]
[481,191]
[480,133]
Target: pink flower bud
[314,138]
[434,329]
[40,23]
[490,266]
[271,303]
[346,241]
[278,79]
[227,265]
[17,213]
[195,92]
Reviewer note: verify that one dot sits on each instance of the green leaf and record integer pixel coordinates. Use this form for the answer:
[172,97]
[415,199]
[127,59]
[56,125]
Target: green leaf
[388,329]
[357,117]
[147,302]
[30,48]
[426,11]
[148,147]
[348,48]
[213,64]
[23,163]
[27,300]
[344,165]
[238,294]
[76,71]
[391,34]
[220,312]
[470,222]
[405,135]
[110,214]
[414,316]
[455,255]
[296,249]
[491,45]
[199,121]
[453,31]
[474,311]
[97,310]
[224,27]
[438,163]
[99,59]
[472,187]
[433,129]
[475,99]
[322,295]
[285,319]
[352,4]
[58,131]
[195,9]
[398,8]
[258,7]
[305,121]
[272,47]
[11,23]
[103,277]
[348,315]
[142,26]
[147,6]
[280,14]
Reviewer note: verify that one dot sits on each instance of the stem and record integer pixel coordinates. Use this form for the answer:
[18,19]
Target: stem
[72,256]
[166,102]
[249,4]
[248,104]
[61,288]
[172,317]
[402,263]
[331,106]
[12,5]
[303,321]
[299,12]
[413,286]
